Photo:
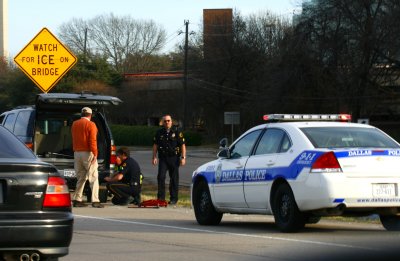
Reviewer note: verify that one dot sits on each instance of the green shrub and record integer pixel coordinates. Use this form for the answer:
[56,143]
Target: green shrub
[143,135]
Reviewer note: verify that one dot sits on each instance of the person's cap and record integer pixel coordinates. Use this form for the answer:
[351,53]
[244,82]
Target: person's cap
[87,109]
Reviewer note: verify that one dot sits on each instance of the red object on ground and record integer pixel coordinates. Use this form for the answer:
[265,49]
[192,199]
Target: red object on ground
[151,203]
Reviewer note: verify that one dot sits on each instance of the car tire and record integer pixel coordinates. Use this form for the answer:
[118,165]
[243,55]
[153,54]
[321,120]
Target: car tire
[288,217]
[390,222]
[311,219]
[203,207]
[103,193]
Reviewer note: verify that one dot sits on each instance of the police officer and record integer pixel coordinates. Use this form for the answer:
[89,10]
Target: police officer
[125,184]
[169,143]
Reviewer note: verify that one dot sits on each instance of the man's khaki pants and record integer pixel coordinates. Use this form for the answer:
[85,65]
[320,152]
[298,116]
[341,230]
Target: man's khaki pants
[85,170]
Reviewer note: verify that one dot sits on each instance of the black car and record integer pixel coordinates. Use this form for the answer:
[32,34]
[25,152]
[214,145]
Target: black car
[46,128]
[35,205]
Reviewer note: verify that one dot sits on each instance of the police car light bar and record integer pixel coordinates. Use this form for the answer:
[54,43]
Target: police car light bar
[307,117]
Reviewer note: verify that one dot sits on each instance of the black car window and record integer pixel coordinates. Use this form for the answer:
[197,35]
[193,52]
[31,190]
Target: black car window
[244,146]
[348,137]
[10,120]
[23,124]
[271,142]
[12,147]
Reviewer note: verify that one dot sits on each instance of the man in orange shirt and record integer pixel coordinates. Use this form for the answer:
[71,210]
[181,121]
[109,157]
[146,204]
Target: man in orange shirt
[84,142]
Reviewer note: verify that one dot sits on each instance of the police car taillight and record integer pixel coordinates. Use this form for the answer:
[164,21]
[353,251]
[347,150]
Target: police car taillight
[327,162]
[307,117]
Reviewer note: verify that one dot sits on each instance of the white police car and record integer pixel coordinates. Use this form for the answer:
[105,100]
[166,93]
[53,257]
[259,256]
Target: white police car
[299,168]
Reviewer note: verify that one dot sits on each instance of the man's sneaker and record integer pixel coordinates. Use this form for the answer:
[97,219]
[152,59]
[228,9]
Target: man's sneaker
[172,202]
[78,204]
[97,205]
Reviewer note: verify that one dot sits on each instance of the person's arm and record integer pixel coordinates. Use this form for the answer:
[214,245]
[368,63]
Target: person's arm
[154,161]
[183,154]
[93,140]
[116,177]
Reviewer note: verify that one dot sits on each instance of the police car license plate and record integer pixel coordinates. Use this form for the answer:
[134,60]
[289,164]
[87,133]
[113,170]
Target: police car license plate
[384,190]
[69,173]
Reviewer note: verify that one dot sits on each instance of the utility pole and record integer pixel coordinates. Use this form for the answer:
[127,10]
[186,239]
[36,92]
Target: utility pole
[185,75]
[84,46]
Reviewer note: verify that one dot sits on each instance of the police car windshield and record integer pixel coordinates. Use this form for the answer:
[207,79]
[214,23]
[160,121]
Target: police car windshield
[345,137]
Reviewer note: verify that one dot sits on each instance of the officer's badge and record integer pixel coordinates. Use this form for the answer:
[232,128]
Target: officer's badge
[173,135]
[124,165]
[218,173]
[180,134]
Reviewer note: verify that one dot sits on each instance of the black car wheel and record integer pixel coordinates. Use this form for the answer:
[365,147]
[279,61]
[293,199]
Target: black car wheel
[390,223]
[203,208]
[288,217]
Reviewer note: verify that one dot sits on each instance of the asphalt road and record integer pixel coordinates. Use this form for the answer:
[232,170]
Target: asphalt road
[122,233]
[195,157]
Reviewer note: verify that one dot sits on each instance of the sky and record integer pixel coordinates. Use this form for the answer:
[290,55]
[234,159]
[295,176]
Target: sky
[27,17]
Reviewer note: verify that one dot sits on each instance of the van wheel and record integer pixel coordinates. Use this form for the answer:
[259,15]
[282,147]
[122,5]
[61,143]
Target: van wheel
[390,223]
[288,217]
[203,207]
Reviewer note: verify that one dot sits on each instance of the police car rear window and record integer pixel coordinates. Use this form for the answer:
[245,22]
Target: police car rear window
[348,137]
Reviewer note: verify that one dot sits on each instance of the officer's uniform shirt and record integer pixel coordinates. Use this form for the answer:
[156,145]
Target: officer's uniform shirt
[131,172]
[168,142]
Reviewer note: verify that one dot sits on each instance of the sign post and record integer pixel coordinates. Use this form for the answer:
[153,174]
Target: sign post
[232,118]
[45,60]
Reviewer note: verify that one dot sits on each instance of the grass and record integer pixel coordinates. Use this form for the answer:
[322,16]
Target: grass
[149,191]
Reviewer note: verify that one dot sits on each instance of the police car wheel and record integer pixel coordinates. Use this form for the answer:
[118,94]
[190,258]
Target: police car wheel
[311,219]
[288,217]
[203,208]
[390,223]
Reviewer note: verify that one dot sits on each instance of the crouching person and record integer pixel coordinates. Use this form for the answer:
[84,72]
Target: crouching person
[125,184]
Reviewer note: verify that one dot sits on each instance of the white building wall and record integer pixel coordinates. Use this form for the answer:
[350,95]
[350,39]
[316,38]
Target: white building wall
[4,29]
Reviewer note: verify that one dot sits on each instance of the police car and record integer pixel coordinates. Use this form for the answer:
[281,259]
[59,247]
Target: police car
[299,168]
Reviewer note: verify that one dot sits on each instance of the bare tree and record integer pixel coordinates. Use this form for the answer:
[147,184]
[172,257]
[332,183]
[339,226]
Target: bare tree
[234,74]
[74,35]
[117,38]
[353,50]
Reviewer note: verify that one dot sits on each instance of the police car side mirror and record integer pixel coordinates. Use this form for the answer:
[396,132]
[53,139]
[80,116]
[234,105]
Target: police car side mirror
[223,143]
[224,153]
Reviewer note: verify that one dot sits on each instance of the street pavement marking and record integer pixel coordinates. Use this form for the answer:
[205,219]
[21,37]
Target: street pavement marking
[230,233]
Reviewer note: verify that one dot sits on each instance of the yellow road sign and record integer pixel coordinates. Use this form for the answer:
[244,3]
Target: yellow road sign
[45,60]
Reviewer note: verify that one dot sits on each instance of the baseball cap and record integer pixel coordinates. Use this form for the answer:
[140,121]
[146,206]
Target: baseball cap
[87,109]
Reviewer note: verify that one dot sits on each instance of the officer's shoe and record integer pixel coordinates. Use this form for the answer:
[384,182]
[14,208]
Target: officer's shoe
[136,200]
[97,205]
[172,202]
[125,201]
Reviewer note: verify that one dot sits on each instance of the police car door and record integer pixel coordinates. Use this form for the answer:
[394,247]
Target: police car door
[262,166]
[228,188]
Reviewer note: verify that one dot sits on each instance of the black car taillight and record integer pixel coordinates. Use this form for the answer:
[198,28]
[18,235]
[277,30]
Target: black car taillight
[57,193]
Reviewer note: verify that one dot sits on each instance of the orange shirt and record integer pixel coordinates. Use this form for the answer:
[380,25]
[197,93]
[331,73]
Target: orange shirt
[84,135]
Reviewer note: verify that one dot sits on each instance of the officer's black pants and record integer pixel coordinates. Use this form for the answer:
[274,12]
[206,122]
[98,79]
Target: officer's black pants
[122,192]
[170,164]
